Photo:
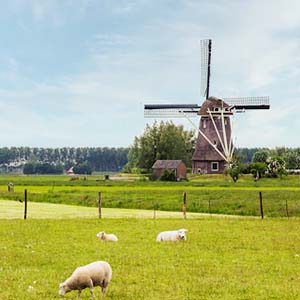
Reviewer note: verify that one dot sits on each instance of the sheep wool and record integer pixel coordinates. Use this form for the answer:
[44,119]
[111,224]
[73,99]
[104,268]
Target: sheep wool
[108,237]
[97,273]
[174,235]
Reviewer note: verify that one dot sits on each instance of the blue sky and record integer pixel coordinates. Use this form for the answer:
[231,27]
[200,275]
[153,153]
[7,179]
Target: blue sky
[77,73]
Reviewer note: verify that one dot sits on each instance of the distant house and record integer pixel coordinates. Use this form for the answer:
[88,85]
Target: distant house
[178,166]
[70,172]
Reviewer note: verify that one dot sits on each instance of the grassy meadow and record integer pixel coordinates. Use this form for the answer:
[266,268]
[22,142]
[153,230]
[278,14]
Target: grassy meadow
[222,258]
[205,194]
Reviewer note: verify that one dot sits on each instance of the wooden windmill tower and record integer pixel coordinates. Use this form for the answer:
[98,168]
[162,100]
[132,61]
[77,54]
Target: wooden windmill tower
[214,148]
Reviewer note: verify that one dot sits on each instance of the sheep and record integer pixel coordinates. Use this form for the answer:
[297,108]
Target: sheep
[97,273]
[106,237]
[176,235]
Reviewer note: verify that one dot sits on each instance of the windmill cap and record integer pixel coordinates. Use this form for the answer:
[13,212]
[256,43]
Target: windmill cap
[212,104]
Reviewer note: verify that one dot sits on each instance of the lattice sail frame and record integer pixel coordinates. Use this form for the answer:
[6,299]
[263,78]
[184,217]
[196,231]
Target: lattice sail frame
[205,46]
[237,105]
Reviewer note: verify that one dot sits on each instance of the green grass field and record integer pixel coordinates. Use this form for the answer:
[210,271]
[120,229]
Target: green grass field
[205,194]
[222,258]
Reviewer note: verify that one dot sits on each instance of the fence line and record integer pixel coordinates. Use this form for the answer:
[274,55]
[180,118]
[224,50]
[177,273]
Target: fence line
[267,203]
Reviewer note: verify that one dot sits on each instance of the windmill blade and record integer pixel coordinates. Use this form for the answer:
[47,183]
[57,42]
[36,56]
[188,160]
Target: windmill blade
[170,110]
[205,67]
[244,103]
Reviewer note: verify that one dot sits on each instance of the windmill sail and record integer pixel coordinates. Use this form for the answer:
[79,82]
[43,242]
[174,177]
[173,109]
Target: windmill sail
[170,110]
[245,103]
[205,67]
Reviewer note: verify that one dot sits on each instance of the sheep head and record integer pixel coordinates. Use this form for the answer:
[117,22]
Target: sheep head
[100,235]
[181,233]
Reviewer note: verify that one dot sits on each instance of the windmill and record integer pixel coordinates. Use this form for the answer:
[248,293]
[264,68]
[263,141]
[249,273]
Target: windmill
[214,148]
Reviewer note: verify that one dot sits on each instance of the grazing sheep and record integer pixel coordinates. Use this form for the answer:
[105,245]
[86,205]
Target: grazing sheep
[97,273]
[106,237]
[176,235]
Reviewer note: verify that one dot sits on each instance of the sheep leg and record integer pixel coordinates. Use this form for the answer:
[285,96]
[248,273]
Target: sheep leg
[103,289]
[92,292]
[78,294]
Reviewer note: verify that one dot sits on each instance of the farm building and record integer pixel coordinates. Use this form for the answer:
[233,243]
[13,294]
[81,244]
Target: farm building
[70,171]
[178,166]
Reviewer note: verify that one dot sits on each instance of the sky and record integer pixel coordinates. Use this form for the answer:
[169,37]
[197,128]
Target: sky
[77,73]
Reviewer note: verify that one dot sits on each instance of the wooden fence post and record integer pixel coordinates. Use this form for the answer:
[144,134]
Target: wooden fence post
[209,207]
[287,209]
[261,205]
[99,205]
[25,204]
[184,205]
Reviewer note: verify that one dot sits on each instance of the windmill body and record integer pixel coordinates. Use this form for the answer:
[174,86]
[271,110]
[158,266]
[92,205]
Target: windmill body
[214,148]
[218,130]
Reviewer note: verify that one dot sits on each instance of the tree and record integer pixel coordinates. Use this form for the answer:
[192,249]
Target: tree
[29,168]
[260,156]
[258,169]
[83,168]
[161,141]
[276,167]
[234,171]
[42,168]
[292,159]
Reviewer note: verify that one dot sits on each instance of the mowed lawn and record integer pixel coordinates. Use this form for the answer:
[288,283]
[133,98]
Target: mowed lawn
[223,258]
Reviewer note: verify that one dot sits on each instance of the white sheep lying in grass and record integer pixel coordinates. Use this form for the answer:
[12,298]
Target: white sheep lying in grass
[106,237]
[175,235]
[97,273]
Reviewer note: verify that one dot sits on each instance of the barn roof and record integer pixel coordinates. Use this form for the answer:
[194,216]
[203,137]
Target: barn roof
[166,164]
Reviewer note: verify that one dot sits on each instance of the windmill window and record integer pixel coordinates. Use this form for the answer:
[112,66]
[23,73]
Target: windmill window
[215,166]
[225,121]
[215,142]
[204,123]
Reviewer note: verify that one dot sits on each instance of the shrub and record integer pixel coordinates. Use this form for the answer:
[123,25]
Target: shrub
[258,169]
[168,175]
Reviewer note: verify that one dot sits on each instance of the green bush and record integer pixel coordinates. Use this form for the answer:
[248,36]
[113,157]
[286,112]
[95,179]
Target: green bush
[168,175]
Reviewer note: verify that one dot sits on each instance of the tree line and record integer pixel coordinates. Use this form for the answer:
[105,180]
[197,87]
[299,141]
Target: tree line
[165,140]
[56,160]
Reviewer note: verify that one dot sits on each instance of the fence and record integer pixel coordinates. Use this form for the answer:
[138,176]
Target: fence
[264,203]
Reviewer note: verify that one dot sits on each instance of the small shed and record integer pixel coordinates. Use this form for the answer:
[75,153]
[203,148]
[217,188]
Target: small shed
[70,172]
[178,166]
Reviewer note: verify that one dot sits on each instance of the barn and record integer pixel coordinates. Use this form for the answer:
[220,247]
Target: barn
[178,166]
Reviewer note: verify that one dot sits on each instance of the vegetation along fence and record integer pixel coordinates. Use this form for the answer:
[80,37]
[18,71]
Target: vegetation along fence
[245,202]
